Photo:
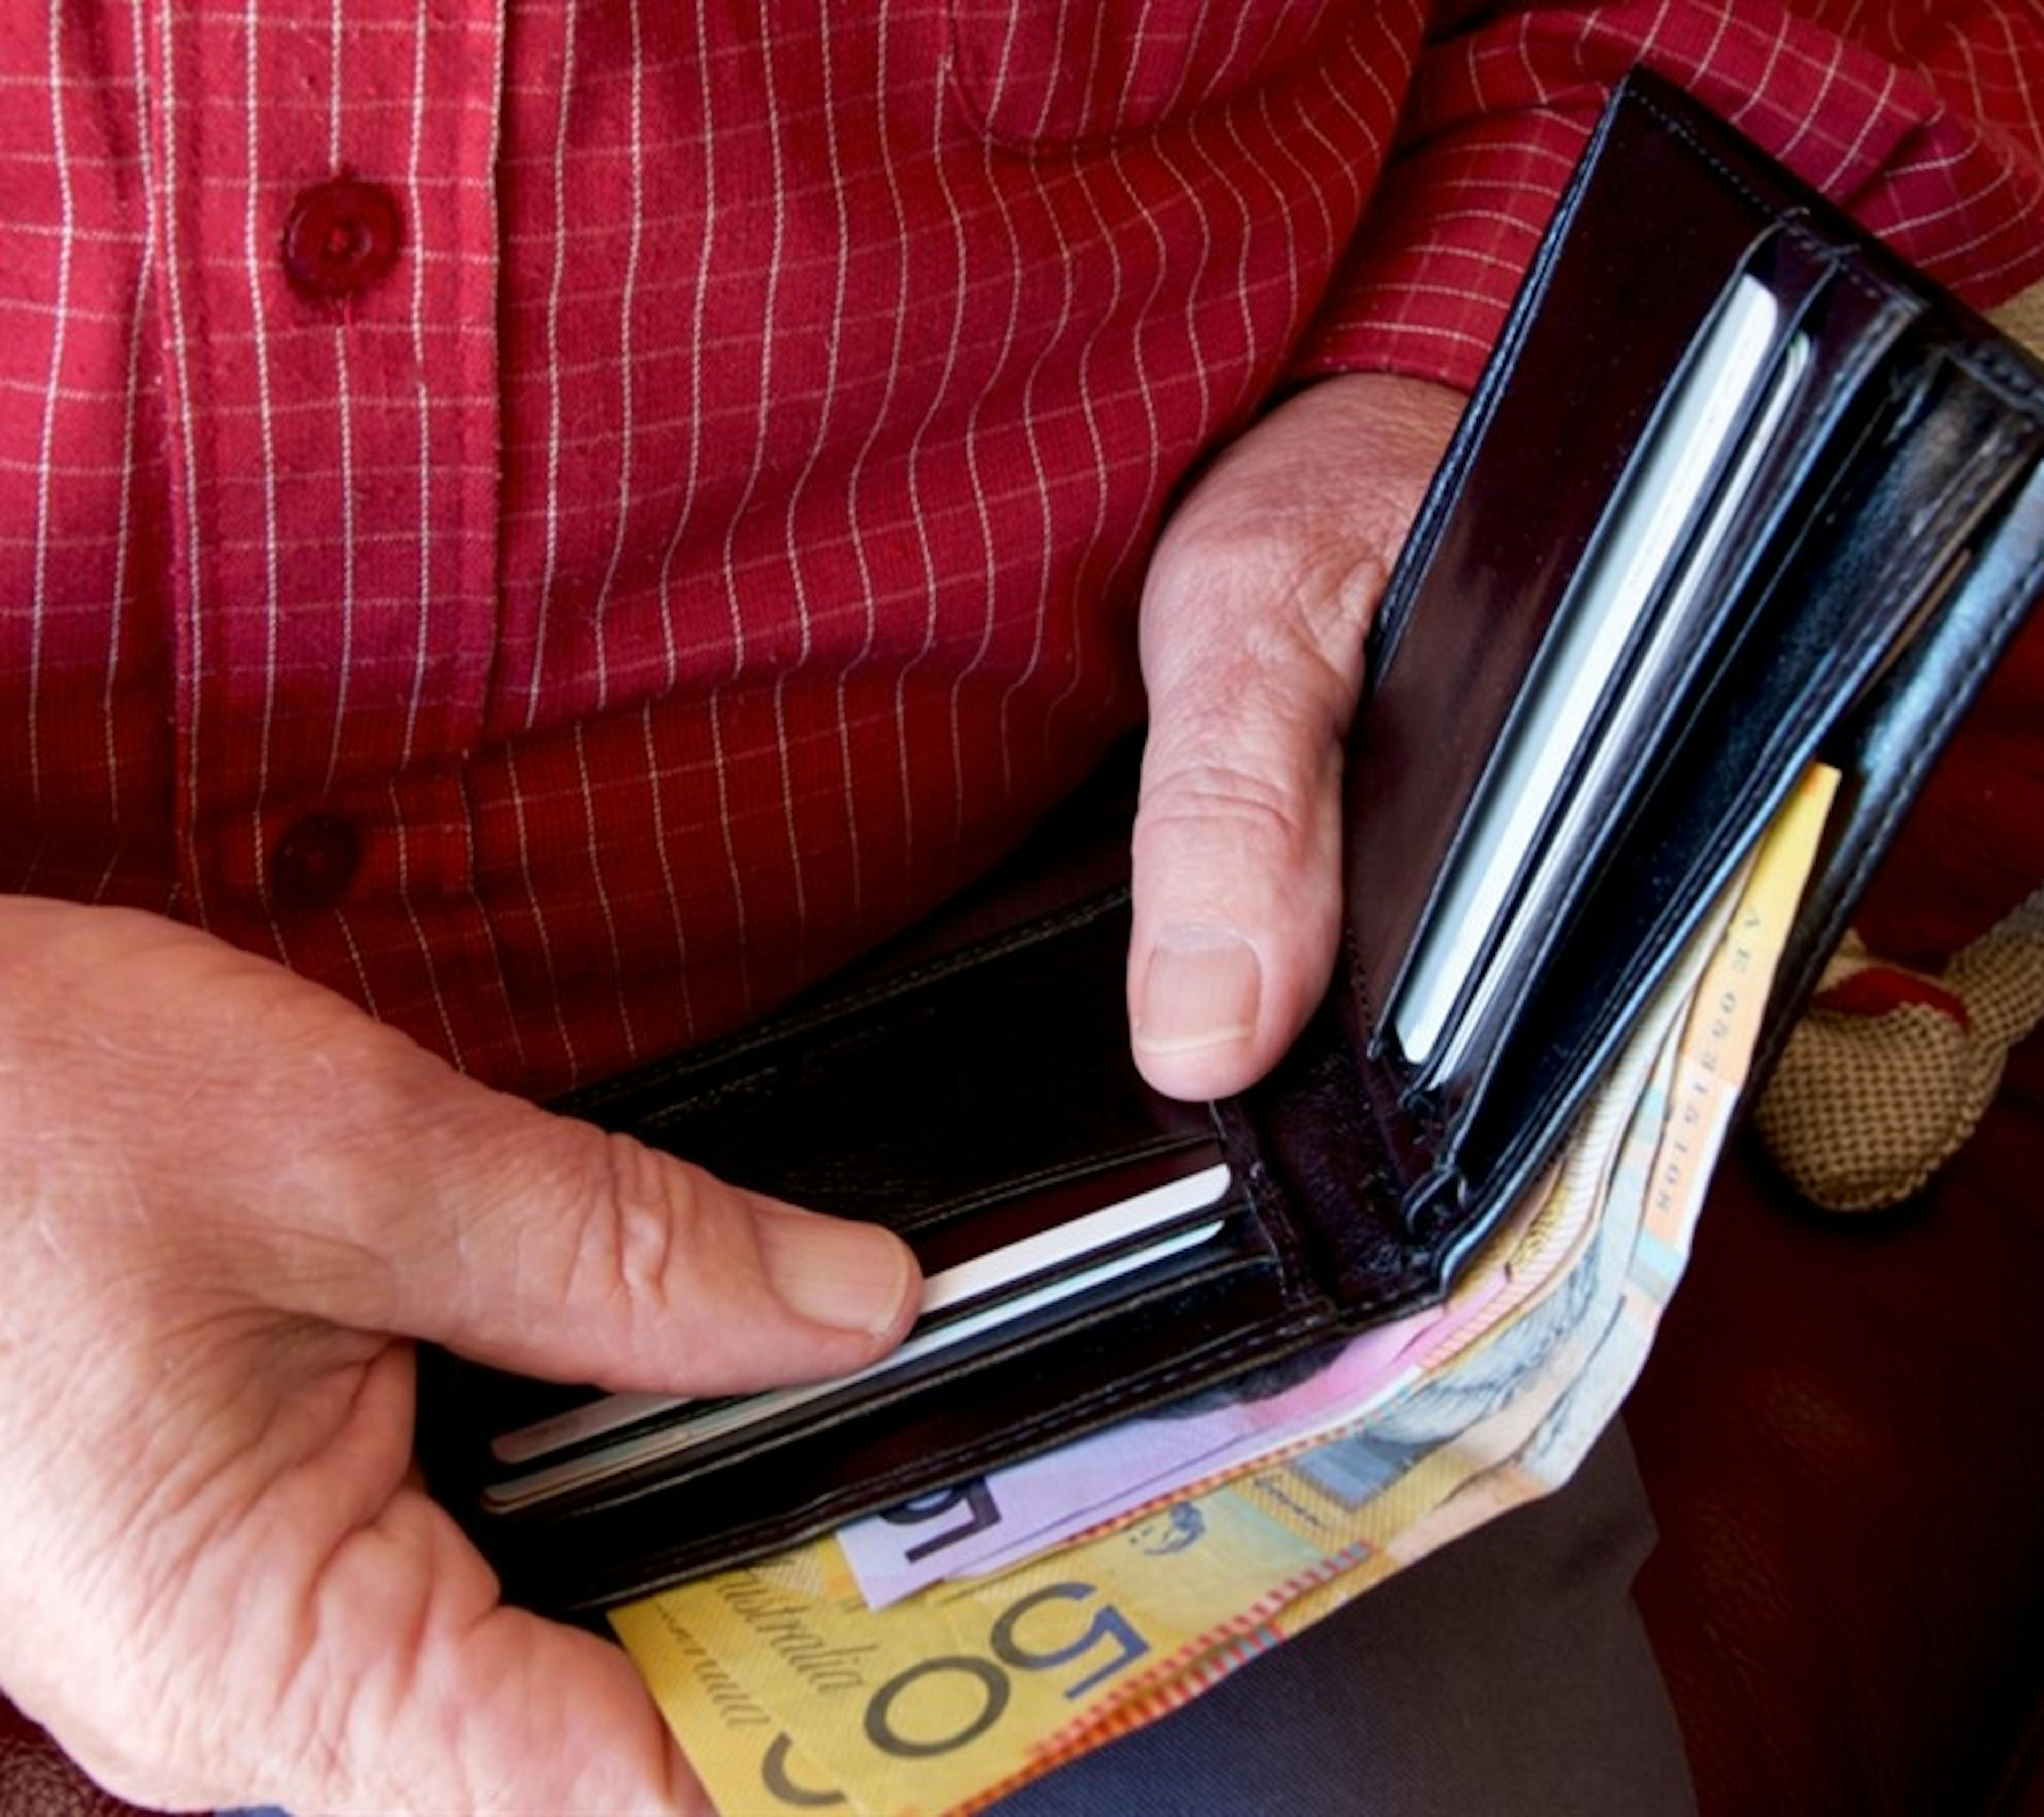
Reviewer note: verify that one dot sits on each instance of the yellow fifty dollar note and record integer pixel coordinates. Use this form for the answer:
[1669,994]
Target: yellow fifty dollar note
[748,1762]
[922,1705]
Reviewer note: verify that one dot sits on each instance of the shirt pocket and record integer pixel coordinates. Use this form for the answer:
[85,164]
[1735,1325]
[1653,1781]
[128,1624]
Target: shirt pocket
[1044,73]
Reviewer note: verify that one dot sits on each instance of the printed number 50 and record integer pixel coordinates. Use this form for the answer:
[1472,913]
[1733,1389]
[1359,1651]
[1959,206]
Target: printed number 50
[1012,1650]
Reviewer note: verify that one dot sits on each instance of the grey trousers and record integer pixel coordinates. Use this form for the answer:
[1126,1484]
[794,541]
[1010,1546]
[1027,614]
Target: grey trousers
[1507,1674]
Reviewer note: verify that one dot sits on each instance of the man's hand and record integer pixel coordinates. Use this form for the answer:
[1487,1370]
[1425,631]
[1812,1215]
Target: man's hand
[1253,620]
[227,1199]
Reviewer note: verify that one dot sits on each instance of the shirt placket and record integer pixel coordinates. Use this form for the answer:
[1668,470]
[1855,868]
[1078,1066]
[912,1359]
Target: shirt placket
[327,242]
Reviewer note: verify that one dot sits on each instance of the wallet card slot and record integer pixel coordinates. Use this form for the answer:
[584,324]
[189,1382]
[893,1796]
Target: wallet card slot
[1000,1279]
[1480,1108]
[638,1529]
[1811,420]
[1603,667]
[1834,612]
[1544,448]
[1051,1230]
[669,1447]
[627,1432]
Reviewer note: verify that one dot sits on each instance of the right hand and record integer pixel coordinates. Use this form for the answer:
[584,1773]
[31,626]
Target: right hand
[228,1200]
[1254,617]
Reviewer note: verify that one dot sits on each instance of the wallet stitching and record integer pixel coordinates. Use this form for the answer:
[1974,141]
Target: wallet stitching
[1377,1183]
[1793,221]
[2000,365]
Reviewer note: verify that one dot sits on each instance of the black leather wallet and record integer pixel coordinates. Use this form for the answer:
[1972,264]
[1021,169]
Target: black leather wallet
[1738,491]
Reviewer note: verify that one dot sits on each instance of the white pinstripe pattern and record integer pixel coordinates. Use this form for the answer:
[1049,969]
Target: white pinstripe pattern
[1045,566]
[67,232]
[735,859]
[663,845]
[791,539]
[415,214]
[918,458]
[634,160]
[890,166]
[734,866]
[117,590]
[867,586]
[343,401]
[450,1041]
[627,300]
[798,494]
[362,985]
[550,573]
[554,1005]
[1116,563]
[1002,726]
[427,609]
[617,971]
[256,257]
[187,501]
[698,345]
[350,548]
[719,534]
[2026,105]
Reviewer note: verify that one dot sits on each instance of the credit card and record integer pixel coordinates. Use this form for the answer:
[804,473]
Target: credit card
[971,1299]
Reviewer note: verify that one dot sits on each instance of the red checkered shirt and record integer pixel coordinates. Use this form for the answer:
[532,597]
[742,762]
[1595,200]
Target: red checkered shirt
[563,521]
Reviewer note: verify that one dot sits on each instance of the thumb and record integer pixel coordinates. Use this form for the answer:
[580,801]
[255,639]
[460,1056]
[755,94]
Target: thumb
[228,1130]
[543,1244]
[1253,620]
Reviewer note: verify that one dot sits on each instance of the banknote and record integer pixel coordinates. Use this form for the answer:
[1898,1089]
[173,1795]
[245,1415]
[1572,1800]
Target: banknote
[1676,1130]
[1719,1032]
[790,1693]
[942,1701]
[1000,1517]
[748,1762]
[937,1702]
[1356,1466]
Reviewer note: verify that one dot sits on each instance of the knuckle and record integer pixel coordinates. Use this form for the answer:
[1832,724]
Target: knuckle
[645,1211]
[1242,807]
[1278,553]
[1269,651]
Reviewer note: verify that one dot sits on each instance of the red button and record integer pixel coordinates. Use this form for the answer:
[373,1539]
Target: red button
[314,863]
[342,236]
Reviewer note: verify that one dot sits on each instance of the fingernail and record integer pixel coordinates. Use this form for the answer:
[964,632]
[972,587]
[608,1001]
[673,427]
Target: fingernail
[852,1276]
[1201,989]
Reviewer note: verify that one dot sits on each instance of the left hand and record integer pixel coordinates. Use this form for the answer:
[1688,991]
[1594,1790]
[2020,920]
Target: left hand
[1259,597]
[228,1200]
